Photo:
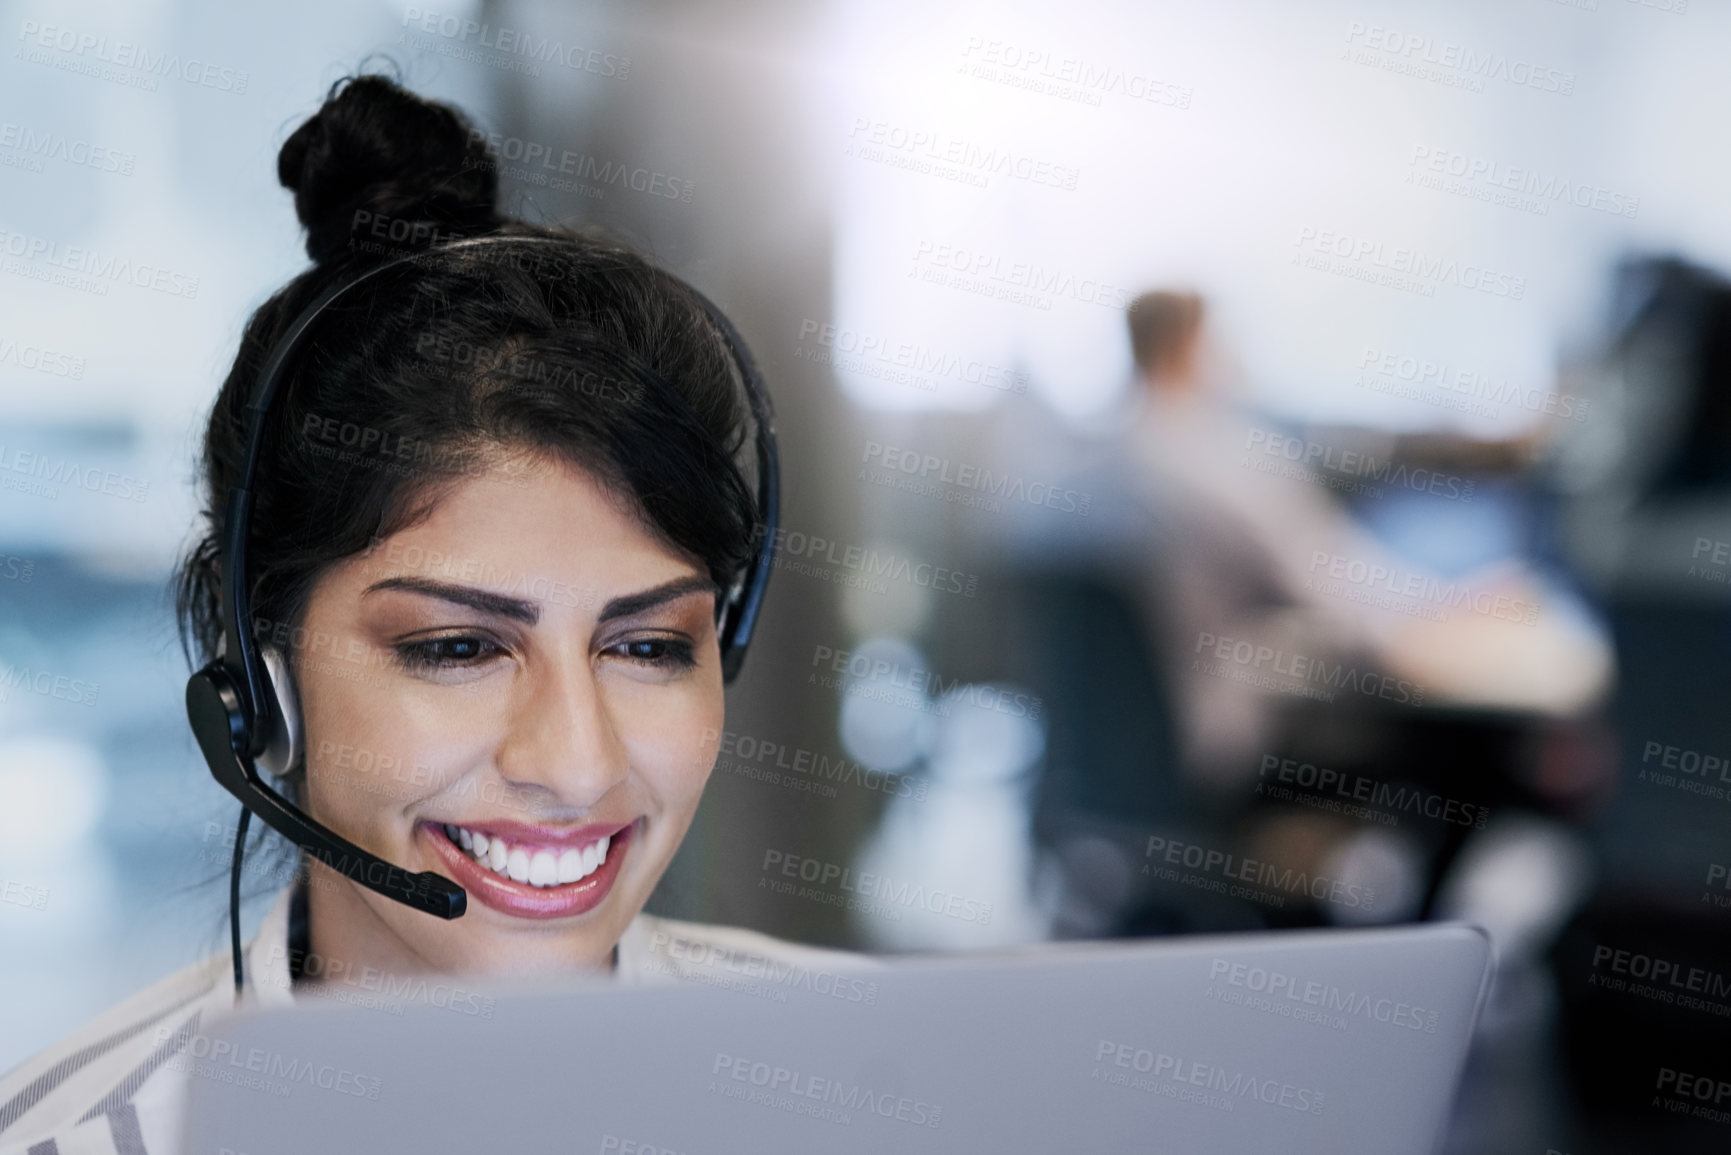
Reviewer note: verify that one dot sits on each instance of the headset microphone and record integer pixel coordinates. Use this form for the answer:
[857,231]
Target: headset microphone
[242,706]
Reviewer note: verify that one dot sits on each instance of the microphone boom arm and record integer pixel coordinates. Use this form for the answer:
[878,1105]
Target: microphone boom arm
[213,706]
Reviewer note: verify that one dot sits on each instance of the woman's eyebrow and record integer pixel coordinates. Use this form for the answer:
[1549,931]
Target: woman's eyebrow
[529,612]
[488,603]
[627,604]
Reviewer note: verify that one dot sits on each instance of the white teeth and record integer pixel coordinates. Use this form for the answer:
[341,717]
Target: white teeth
[571,866]
[538,867]
[543,869]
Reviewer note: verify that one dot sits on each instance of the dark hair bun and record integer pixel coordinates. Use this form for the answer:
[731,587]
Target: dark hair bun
[379,171]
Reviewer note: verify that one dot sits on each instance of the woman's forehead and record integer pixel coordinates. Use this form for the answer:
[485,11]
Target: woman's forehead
[556,532]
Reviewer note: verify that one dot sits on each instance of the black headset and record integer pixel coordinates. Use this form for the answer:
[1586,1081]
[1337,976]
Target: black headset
[242,705]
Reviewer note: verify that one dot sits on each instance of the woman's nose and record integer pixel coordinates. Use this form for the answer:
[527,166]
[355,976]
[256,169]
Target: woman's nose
[562,736]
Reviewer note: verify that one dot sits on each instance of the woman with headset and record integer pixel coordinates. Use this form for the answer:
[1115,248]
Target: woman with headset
[489,517]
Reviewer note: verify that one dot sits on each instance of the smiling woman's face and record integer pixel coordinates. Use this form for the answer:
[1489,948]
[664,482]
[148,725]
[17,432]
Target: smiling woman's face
[531,670]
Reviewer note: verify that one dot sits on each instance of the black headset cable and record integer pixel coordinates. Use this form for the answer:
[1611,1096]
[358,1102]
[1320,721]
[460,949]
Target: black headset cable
[234,901]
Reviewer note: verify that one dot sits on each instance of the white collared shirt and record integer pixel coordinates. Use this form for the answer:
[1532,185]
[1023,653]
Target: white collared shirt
[117,1086]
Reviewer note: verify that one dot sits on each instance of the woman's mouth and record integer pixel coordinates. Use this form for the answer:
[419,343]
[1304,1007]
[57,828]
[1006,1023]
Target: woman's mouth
[538,866]
[531,872]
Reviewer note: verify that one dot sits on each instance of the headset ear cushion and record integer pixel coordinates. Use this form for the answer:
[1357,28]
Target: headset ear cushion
[283,748]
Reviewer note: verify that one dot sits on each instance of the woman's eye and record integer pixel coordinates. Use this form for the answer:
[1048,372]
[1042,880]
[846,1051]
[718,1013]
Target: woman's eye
[658,652]
[438,653]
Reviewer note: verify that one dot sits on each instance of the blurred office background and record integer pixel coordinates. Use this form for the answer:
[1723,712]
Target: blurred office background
[1421,481]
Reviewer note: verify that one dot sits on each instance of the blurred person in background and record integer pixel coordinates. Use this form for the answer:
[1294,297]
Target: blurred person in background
[1235,561]
[1261,549]
[1250,567]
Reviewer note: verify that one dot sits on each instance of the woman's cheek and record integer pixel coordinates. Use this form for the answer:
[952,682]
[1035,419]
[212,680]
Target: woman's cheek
[674,742]
[378,748]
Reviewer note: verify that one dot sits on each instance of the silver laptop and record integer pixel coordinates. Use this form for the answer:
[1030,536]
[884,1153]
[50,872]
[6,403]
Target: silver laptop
[1325,1041]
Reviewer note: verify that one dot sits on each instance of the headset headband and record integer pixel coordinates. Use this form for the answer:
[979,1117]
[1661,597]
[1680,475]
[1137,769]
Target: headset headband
[233,705]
